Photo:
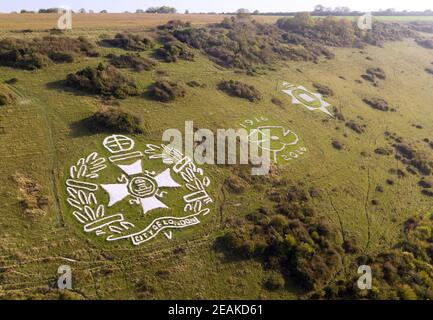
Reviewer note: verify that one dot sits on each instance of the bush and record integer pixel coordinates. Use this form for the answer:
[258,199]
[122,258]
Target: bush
[105,80]
[195,84]
[134,62]
[166,90]
[274,282]
[241,90]
[12,81]
[31,195]
[377,72]
[277,102]
[378,104]
[61,57]
[114,119]
[240,43]
[324,90]
[425,43]
[235,184]
[6,97]
[131,42]
[174,50]
[337,144]
[38,52]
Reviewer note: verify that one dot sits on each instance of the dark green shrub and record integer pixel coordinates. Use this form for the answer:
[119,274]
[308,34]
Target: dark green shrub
[166,90]
[274,282]
[194,84]
[6,97]
[174,50]
[377,103]
[426,43]
[105,80]
[12,81]
[38,52]
[324,90]
[114,119]
[131,42]
[134,62]
[235,184]
[241,90]
[61,57]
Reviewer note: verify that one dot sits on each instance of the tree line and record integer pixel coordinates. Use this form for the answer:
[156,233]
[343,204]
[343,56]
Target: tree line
[160,10]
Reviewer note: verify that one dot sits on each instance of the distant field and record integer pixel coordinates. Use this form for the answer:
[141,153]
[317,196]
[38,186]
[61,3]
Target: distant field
[107,21]
[397,18]
[129,20]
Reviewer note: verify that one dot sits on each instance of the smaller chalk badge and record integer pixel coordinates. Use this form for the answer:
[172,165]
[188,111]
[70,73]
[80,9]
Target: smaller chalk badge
[136,195]
[284,143]
[310,100]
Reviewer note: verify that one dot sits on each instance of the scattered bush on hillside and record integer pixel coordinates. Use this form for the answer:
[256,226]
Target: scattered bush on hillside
[336,144]
[376,103]
[377,72]
[342,32]
[195,84]
[11,81]
[235,184]
[6,96]
[166,90]
[291,238]
[422,26]
[355,126]
[38,52]
[429,70]
[402,272]
[130,61]
[114,119]
[241,43]
[241,90]
[425,43]
[131,42]
[324,90]
[277,102]
[414,159]
[104,80]
[31,195]
[274,282]
[373,74]
[174,50]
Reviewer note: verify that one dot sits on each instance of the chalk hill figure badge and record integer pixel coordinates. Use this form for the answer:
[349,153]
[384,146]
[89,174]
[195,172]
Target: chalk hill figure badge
[310,100]
[141,199]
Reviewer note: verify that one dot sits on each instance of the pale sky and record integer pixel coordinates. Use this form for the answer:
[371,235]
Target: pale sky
[216,5]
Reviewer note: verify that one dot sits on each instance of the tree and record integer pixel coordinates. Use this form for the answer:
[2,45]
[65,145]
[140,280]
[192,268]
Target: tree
[319,8]
[163,9]
[243,13]
[139,11]
[186,11]
[256,12]
[103,11]
[82,10]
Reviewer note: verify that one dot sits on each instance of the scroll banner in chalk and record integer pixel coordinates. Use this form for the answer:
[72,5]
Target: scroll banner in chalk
[160,225]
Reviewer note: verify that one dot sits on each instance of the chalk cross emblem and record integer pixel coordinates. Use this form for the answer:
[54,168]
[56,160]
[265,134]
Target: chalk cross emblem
[142,186]
[96,198]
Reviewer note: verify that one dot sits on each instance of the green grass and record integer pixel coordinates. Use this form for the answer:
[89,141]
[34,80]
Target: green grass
[41,139]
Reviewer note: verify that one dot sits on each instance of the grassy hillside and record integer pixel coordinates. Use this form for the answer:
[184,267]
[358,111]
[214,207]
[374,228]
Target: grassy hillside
[44,135]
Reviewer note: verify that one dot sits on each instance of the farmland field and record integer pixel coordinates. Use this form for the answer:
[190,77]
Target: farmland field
[362,189]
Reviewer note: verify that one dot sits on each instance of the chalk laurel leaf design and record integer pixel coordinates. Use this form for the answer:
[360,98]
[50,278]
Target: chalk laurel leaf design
[88,167]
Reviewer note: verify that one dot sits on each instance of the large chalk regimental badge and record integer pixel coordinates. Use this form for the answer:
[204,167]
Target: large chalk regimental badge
[136,195]
[310,100]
